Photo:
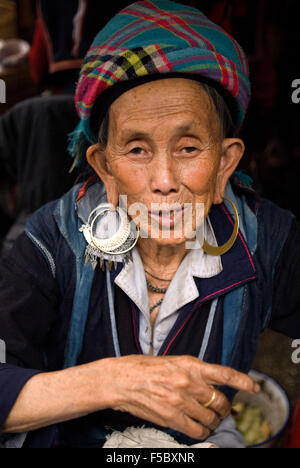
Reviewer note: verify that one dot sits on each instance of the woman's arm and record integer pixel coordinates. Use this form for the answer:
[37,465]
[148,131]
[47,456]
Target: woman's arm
[52,397]
[168,391]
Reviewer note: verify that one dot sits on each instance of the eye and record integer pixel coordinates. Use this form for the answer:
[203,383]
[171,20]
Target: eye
[189,149]
[137,150]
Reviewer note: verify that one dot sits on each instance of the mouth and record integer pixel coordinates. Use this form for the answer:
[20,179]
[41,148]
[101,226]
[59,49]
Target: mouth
[167,217]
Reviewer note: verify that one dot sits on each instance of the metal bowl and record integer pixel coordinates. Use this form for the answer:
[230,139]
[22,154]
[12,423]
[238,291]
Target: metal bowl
[273,403]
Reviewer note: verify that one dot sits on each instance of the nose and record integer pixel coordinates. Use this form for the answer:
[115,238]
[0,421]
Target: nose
[164,176]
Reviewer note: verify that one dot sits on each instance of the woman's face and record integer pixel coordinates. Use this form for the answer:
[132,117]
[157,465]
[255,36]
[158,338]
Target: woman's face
[166,154]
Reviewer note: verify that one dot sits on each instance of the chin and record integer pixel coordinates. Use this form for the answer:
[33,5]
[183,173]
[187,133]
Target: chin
[170,241]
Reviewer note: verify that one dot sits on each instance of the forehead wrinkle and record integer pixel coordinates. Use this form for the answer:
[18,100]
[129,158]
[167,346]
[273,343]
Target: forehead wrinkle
[140,111]
[158,104]
[200,117]
[132,108]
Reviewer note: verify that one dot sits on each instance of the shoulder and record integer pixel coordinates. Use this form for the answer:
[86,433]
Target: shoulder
[54,226]
[267,227]
[47,219]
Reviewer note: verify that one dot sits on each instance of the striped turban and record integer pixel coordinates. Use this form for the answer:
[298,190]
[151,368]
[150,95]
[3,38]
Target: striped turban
[157,37]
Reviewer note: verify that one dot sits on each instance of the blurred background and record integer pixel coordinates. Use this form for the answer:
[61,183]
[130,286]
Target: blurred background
[42,44]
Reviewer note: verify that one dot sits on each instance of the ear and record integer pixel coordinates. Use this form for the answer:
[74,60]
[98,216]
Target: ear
[232,151]
[96,158]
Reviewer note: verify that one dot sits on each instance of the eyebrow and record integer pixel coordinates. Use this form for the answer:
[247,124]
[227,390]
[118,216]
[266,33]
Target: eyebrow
[134,134]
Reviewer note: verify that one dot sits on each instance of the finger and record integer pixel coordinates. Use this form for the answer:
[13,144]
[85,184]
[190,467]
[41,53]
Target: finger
[206,416]
[192,428]
[220,405]
[204,394]
[200,392]
[217,402]
[221,375]
[214,374]
[167,415]
[191,401]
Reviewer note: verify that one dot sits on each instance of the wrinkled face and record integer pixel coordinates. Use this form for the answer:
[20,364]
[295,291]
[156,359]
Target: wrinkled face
[164,150]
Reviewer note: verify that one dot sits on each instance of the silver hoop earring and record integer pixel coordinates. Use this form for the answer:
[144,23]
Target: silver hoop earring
[111,239]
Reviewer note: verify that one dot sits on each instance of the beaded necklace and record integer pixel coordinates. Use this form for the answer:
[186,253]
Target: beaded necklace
[157,290]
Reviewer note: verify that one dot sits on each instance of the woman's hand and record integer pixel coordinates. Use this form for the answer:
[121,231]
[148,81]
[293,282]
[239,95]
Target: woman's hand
[170,391]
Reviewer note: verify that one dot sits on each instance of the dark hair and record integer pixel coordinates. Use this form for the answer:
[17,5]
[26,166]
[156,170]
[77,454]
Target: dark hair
[103,130]
[227,127]
[222,101]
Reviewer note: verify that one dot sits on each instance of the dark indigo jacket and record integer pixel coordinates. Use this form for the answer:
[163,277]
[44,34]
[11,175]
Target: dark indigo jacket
[240,300]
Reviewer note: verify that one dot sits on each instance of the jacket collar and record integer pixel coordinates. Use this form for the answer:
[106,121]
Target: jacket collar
[238,264]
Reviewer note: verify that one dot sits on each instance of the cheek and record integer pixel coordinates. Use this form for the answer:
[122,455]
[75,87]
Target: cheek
[200,177]
[129,178]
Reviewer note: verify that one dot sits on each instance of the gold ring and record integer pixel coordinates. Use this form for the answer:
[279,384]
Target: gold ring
[207,405]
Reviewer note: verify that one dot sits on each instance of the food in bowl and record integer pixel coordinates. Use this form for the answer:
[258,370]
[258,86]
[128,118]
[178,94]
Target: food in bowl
[270,406]
[251,423]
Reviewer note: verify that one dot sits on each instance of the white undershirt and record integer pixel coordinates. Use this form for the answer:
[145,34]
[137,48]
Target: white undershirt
[182,290]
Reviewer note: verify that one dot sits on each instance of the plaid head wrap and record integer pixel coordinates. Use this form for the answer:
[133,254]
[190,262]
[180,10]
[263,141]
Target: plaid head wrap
[157,37]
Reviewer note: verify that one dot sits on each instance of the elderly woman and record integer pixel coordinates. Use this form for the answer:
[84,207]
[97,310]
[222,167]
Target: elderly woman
[138,298]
